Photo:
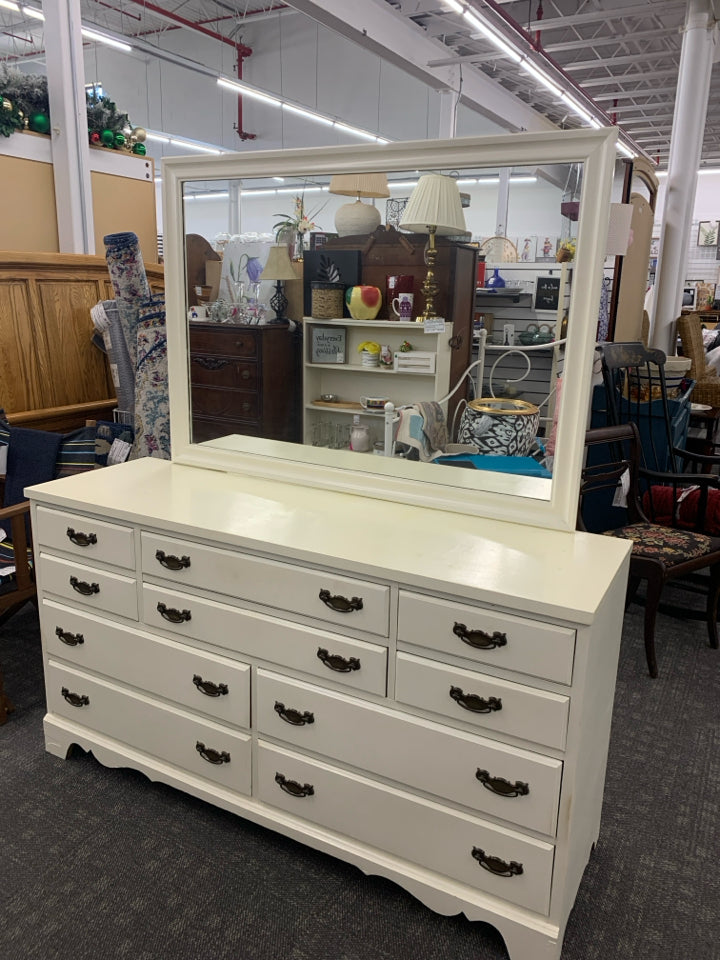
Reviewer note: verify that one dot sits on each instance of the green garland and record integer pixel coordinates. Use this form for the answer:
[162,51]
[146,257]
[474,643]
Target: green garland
[24,104]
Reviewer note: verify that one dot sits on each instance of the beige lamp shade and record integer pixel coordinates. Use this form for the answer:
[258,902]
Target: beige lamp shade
[435,202]
[358,219]
[278,266]
[359,185]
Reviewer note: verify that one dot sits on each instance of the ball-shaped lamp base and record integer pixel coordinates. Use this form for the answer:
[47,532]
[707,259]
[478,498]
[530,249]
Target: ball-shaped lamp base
[356,219]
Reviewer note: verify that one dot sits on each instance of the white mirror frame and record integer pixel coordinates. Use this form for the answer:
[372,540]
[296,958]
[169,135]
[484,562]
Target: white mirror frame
[545,503]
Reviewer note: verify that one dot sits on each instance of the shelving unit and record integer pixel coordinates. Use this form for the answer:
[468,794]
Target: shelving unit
[350,381]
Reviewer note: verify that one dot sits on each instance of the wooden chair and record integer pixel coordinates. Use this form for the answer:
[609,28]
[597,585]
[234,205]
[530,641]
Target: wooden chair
[78,451]
[660,553]
[707,382]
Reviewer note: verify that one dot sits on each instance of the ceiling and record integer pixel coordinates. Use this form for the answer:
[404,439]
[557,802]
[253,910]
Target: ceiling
[622,54]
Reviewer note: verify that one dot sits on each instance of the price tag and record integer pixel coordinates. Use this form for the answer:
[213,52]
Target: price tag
[621,491]
[118,452]
[434,325]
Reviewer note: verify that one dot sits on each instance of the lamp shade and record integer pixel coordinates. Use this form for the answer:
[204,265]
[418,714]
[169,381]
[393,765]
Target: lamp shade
[279,265]
[435,202]
[359,185]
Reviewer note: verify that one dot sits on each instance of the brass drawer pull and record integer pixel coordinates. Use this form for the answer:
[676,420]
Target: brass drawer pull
[337,663]
[75,699]
[340,604]
[83,587]
[294,788]
[69,639]
[171,562]
[479,639]
[474,703]
[172,614]
[81,539]
[245,375]
[294,717]
[501,786]
[496,866]
[212,756]
[209,688]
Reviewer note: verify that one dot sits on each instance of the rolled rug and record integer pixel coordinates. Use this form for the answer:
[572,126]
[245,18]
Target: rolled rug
[130,283]
[152,404]
[106,319]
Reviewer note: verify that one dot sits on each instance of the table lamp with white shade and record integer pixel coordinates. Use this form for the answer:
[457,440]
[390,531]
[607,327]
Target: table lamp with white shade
[358,218]
[279,268]
[434,207]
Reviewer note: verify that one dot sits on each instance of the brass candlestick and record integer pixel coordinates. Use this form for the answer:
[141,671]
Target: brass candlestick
[429,288]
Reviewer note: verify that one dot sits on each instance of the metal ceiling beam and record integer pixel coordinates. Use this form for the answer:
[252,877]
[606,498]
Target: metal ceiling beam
[627,78]
[641,11]
[631,94]
[611,62]
[378,27]
[582,43]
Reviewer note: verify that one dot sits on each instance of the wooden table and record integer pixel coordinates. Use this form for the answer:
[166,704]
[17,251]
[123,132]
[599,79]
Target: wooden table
[707,421]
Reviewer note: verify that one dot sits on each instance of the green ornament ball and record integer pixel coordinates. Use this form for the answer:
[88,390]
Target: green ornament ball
[107,137]
[40,123]
[119,140]
[140,134]
[139,149]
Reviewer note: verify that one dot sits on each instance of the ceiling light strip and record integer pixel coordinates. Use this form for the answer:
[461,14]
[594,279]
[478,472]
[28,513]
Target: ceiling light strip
[245,89]
[109,41]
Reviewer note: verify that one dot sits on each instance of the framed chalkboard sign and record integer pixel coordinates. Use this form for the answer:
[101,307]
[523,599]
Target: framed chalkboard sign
[547,293]
[328,344]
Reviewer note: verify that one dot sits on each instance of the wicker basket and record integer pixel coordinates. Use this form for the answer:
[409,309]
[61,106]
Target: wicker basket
[327,300]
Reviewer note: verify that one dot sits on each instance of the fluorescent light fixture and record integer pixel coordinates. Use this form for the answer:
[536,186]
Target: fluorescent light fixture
[160,137]
[523,179]
[541,77]
[33,12]
[244,90]
[101,38]
[308,114]
[355,131]
[625,150]
[484,181]
[454,5]
[279,179]
[402,184]
[9,5]
[211,196]
[187,144]
[259,193]
[576,108]
[492,36]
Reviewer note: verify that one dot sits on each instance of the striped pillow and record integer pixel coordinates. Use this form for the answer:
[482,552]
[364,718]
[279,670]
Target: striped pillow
[77,452]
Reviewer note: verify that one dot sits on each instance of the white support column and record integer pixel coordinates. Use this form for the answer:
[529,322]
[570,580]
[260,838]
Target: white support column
[447,121]
[234,225]
[691,101]
[68,115]
[503,198]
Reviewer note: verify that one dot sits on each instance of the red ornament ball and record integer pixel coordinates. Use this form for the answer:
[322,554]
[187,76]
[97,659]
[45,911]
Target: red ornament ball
[95,137]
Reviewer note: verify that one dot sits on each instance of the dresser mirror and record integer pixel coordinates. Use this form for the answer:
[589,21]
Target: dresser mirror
[258,191]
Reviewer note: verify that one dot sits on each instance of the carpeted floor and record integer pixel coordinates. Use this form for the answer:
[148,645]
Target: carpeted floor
[96,862]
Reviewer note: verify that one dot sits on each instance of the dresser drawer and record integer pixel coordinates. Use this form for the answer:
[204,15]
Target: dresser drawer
[227,404]
[199,746]
[230,342]
[97,589]
[355,604]
[223,372]
[448,842]
[515,785]
[360,665]
[85,537]
[486,636]
[494,704]
[201,681]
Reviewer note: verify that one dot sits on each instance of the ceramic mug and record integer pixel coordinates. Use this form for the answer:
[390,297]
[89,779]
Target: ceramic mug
[394,286]
[403,305]
[373,403]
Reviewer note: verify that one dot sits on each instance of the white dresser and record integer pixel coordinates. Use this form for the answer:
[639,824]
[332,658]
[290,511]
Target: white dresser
[423,694]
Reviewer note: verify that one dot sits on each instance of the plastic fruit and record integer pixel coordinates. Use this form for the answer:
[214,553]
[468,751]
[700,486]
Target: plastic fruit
[363,302]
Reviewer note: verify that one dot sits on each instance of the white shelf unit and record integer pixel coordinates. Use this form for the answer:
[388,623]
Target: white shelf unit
[351,380]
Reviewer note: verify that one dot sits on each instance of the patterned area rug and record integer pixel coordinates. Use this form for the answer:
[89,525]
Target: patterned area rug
[98,861]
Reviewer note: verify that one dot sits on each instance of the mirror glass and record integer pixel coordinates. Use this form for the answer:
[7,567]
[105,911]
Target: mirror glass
[334,330]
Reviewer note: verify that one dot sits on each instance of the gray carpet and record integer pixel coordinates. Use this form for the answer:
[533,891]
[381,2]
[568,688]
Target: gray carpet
[96,862]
